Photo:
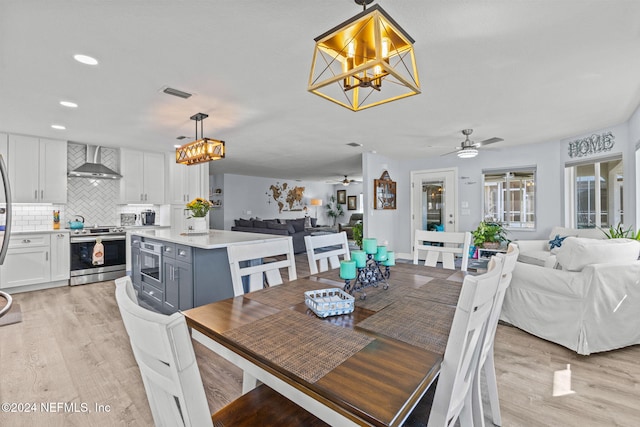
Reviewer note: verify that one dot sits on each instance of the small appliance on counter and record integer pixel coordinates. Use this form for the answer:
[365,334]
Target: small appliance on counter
[128,219]
[148,217]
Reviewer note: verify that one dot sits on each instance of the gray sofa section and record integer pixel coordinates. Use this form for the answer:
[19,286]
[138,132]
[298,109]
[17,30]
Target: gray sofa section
[290,227]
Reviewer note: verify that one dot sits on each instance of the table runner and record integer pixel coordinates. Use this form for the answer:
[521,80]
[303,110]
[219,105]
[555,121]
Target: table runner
[438,290]
[288,294]
[420,322]
[284,339]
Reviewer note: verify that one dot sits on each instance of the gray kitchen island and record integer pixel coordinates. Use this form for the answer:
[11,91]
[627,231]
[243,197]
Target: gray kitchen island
[175,271]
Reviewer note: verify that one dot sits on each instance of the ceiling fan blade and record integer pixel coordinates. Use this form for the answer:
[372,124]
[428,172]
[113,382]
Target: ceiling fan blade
[488,141]
[451,152]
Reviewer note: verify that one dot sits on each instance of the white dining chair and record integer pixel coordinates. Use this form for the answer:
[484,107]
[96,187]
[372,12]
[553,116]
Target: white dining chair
[325,250]
[486,364]
[451,244]
[247,252]
[453,395]
[164,352]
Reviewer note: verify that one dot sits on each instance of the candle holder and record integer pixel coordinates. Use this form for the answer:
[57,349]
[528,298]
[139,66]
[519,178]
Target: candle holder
[369,275]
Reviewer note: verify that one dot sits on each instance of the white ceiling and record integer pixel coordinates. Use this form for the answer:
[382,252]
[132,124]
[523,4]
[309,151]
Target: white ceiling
[527,71]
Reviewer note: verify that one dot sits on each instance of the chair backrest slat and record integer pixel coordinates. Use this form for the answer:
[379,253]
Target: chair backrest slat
[248,252]
[316,255]
[454,243]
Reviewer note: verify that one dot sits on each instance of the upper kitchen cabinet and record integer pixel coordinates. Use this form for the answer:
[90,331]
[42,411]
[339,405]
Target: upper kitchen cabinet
[37,169]
[185,183]
[142,177]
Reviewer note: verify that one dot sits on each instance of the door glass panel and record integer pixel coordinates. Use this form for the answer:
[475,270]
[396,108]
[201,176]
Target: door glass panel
[433,205]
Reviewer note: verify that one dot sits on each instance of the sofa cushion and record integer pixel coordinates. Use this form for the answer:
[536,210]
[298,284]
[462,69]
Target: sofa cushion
[243,223]
[578,252]
[298,224]
[259,224]
[534,257]
[276,226]
[591,233]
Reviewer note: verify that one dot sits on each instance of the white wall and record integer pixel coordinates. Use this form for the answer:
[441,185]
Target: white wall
[548,157]
[386,225]
[249,196]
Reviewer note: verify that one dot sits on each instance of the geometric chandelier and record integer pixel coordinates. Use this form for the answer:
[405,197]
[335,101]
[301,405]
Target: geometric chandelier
[201,150]
[366,61]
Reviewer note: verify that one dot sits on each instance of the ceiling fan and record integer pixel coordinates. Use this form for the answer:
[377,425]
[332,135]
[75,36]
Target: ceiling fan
[468,148]
[346,181]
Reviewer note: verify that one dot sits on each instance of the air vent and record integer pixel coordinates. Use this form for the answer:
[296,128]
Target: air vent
[176,92]
[354,144]
[181,137]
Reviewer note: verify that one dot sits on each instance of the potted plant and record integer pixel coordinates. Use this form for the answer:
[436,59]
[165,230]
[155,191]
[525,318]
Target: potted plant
[357,234]
[198,209]
[489,235]
[334,209]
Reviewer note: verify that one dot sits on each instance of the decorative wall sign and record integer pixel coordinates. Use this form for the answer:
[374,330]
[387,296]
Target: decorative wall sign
[384,192]
[287,198]
[593,144]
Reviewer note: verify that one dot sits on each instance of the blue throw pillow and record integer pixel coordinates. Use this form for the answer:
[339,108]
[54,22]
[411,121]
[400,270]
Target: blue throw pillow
[556,242]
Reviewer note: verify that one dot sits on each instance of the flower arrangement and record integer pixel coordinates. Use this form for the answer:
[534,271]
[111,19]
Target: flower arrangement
[199,207]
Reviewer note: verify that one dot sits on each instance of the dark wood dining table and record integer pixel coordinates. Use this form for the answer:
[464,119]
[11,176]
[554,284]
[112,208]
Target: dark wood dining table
[369,367]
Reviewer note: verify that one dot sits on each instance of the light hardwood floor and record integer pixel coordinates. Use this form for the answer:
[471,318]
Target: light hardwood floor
[71,347]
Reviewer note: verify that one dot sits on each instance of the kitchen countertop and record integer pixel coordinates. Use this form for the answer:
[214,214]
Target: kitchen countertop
[211,240]
[50,231]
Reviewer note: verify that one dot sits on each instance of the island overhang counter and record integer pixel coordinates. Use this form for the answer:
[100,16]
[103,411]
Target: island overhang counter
[176,271]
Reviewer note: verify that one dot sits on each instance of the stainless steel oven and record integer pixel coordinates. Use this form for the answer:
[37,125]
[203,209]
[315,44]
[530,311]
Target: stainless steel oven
[151,263]
[112,265]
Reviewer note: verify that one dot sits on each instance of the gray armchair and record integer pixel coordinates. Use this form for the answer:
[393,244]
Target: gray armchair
[348,227]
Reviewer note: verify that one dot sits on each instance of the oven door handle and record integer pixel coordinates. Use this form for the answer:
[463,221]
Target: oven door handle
[93,239]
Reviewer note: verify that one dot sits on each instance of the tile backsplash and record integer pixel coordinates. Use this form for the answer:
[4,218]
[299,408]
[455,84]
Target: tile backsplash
[36,217]
[94,199]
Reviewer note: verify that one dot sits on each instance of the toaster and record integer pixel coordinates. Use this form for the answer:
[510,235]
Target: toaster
[128,219]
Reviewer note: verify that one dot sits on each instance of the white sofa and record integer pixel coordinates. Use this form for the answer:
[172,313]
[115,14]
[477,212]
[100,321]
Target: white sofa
[538,252]
[591,305]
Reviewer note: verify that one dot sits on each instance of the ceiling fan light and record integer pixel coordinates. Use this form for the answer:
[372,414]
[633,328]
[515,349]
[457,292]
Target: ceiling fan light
[467,153]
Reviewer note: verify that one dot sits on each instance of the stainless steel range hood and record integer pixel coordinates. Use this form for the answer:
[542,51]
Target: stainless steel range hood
[93,168]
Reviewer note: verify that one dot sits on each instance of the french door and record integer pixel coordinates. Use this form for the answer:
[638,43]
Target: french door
[433,200]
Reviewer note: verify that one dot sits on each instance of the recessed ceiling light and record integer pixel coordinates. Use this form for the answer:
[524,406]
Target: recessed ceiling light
[85,59]
[177,146]
[59,127]
[354,144]
[69,104]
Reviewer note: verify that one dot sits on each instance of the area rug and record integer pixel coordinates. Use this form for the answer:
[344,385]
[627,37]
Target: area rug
[13,316]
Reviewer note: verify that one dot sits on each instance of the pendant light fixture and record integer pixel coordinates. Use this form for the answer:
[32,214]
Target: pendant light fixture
[366,61]
[201,150]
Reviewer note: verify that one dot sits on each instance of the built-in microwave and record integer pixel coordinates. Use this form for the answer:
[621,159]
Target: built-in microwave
[151,262]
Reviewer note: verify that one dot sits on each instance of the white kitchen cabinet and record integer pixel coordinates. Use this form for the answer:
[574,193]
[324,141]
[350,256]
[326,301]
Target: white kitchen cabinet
[27,262]
[60,256]
[185,183]
[37,169]
[142,177]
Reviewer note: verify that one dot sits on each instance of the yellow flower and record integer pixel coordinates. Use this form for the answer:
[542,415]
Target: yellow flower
[199,207]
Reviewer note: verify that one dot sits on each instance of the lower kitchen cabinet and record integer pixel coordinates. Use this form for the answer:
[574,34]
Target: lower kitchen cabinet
[60,256]
[178,277]
[36,261]
[26,266]
[178,293]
